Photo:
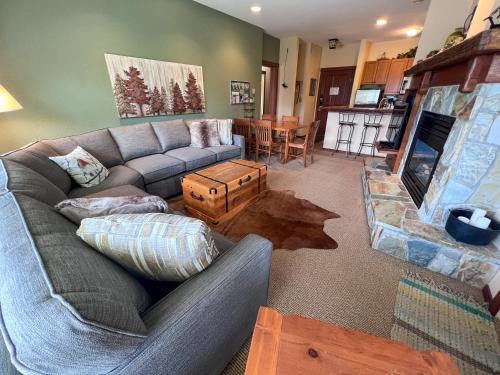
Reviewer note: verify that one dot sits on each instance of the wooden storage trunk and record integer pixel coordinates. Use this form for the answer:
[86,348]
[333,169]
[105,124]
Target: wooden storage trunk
[217,193]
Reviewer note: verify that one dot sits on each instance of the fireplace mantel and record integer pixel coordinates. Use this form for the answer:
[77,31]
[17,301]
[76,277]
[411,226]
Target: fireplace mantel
[472,62]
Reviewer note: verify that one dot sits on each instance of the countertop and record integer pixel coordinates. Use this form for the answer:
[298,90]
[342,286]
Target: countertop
[361,110]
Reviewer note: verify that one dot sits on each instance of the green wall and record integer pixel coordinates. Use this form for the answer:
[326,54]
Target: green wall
[270,48]
[52,59]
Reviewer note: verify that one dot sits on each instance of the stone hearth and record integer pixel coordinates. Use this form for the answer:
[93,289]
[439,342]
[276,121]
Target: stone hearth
[398,230]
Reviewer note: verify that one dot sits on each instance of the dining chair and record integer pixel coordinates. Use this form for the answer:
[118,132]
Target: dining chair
[264,140]
[305,144]
[243,126]
[269,117]
[292,119]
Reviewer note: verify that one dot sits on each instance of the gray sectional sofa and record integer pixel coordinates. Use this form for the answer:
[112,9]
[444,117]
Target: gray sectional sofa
[67,309]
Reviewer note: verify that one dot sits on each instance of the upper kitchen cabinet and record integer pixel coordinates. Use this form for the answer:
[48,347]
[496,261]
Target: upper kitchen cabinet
[386,72]
[382,71]
[369,72]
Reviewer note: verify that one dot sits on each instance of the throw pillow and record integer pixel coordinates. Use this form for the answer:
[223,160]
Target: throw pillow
[225,128]
[204,134]
[156,246]
[81,208]
[85,169]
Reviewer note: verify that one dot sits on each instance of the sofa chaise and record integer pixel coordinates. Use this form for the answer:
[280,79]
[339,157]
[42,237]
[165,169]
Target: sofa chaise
[67,309]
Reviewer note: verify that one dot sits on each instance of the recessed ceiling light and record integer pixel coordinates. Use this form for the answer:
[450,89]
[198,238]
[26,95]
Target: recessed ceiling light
[381,22]
[256,9]
[412,32]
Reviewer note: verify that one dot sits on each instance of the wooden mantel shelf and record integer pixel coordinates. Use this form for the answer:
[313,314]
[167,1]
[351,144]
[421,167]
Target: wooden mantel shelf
[485,43]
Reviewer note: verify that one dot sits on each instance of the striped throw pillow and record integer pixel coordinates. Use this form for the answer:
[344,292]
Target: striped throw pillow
[156,246]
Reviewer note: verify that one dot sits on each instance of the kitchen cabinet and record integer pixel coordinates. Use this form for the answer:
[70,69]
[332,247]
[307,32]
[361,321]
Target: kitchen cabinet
[369,72]
[386,72]
[382,71]
[395,76]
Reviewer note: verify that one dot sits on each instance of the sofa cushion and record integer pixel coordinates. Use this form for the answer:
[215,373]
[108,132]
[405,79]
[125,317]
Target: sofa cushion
[157,167]
[225,152]
[99,143]
[65,308]
[36,156]
[193,157]
[83,167]
[119,191]
[157,246]
[119,175]
[21,179]
[225,128]
[135,141]
[172,134]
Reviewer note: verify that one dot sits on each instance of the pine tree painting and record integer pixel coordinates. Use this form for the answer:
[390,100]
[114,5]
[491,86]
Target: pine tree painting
[193,98]
[143,87]
[125,108]
[179,104]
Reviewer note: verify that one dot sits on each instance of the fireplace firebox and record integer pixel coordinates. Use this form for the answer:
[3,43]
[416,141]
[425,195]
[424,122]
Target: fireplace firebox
[431,134]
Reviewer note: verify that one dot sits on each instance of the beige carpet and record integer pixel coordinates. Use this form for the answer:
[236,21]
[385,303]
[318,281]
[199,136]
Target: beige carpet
[353,286]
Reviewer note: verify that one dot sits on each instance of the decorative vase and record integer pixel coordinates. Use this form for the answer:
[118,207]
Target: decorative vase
[454,38]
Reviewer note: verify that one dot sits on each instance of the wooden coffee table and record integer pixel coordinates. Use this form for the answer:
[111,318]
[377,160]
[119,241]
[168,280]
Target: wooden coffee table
[217,193]
[295,345]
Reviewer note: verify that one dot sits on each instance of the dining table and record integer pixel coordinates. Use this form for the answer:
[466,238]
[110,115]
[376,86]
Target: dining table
[286,128]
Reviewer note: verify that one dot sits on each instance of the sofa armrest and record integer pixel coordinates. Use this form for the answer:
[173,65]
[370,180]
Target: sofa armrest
[201,325]
[239,140]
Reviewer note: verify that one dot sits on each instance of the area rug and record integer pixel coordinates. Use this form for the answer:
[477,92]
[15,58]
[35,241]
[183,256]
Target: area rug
[288,222]
[428,316]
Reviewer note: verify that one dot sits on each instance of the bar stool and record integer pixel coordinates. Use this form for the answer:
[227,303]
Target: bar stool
[394,125]
[371,121]
[346,119]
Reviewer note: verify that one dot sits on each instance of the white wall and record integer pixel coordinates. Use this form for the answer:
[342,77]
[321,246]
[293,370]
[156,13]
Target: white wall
[364,50]
[310,68]
[345,55]
[443,16]
[391,48]
[484,9]
[286,95]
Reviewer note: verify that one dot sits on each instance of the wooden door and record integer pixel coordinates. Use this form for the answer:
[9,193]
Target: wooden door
[331,79]
[382,71]
[369,72]
[272,96]
[395,76]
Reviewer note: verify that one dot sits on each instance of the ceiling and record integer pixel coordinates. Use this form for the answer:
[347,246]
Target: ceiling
[318,20]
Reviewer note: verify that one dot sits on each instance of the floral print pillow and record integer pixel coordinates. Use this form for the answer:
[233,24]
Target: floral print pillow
[85,169]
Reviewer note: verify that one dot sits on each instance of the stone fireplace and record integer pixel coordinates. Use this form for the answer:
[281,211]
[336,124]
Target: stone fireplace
[425,152]
[450,159]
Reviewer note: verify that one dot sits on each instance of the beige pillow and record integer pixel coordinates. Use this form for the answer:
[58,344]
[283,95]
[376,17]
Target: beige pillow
[156,246]
[204,134]
[85,169]
[81,208]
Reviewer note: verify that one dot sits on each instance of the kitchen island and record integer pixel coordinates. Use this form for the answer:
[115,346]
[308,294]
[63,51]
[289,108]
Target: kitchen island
[332,126]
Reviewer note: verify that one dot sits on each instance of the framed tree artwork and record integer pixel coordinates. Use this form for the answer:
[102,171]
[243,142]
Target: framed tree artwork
[143,87]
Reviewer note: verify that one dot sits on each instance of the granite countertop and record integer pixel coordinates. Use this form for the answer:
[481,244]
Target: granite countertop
[361,110]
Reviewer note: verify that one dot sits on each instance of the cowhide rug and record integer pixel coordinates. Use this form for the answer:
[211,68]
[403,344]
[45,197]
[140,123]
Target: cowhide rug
[288,222]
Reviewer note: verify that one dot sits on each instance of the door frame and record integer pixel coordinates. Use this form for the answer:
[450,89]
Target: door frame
[273,89]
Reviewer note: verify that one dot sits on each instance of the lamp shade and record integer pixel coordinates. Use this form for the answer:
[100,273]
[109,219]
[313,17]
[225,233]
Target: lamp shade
[7,101]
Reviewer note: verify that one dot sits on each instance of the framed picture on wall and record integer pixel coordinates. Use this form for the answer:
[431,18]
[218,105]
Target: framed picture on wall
[239,92]
[143,87]
[312,87]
